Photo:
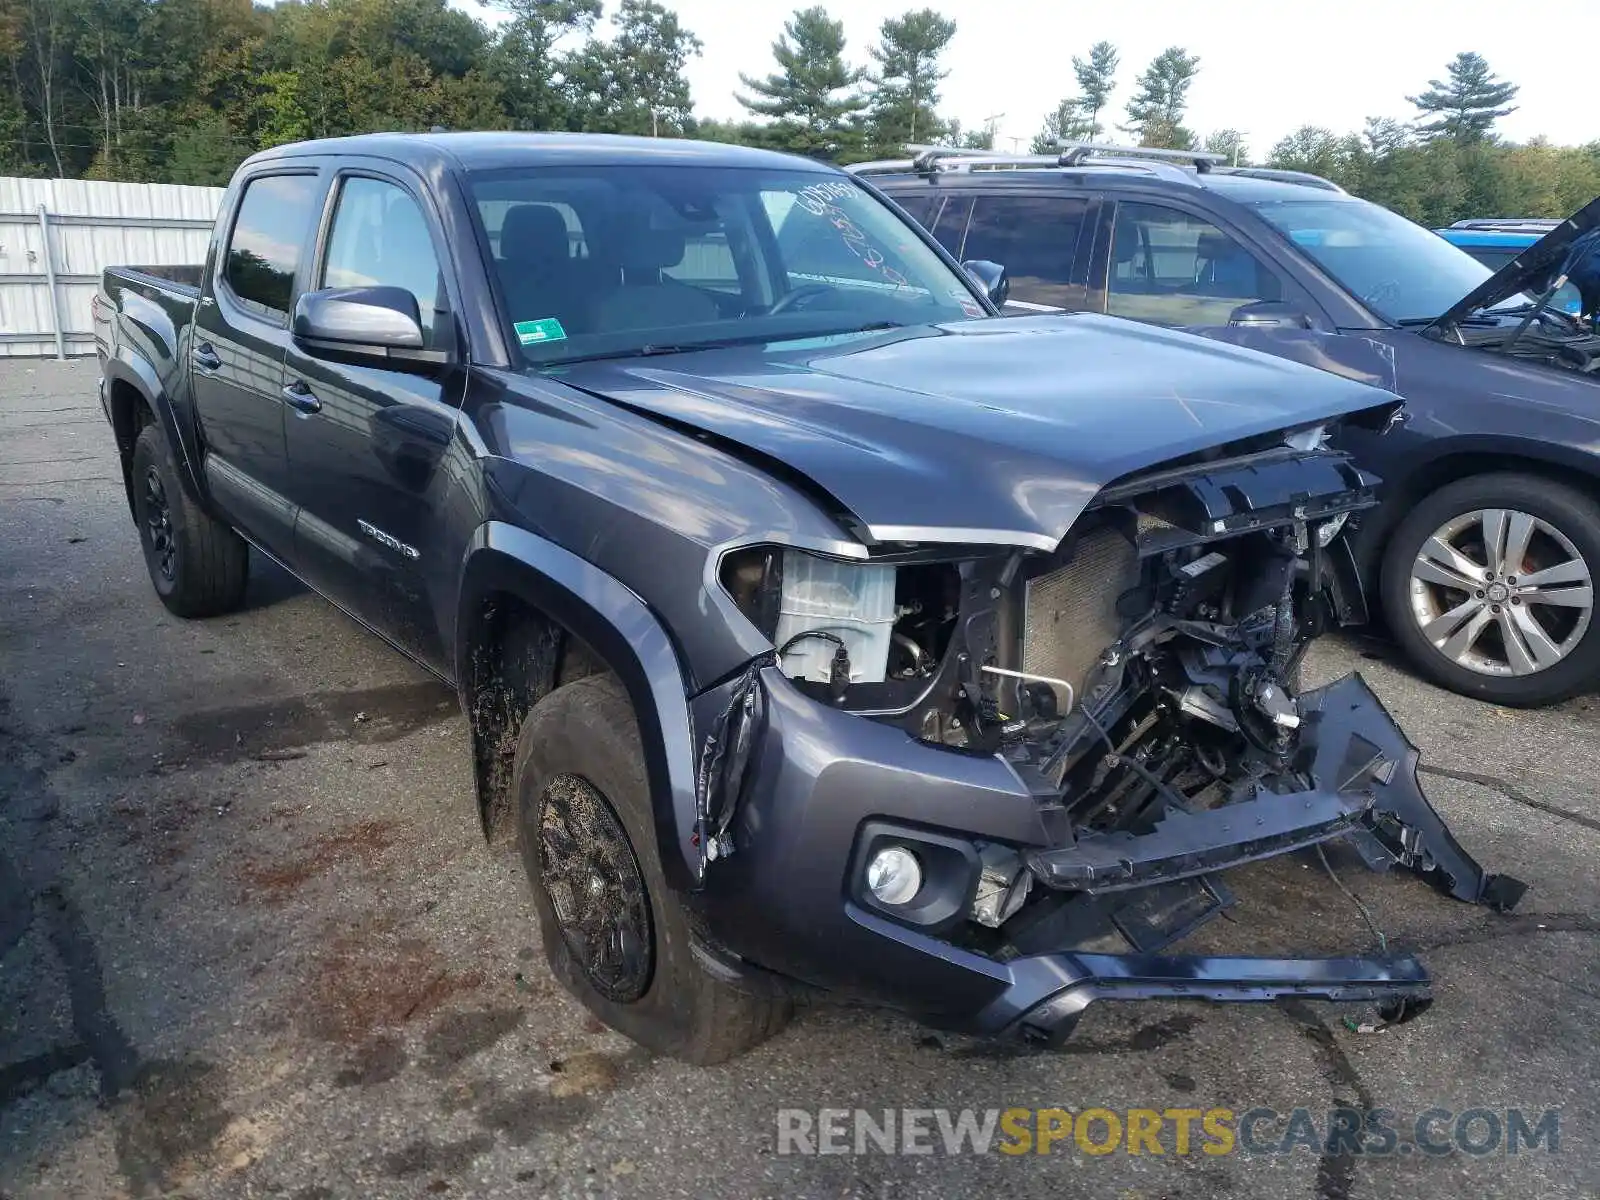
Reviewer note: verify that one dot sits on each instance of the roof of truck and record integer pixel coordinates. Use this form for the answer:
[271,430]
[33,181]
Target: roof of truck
[491,150]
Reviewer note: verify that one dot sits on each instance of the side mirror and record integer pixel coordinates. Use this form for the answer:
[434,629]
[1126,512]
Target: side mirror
[363,322]
[991,277]
[1268,314]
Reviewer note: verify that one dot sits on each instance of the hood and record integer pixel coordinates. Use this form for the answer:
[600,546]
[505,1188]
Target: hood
[996,431]
[1534,270]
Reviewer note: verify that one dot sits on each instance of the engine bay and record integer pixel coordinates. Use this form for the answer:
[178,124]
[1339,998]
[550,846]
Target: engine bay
[1142,679]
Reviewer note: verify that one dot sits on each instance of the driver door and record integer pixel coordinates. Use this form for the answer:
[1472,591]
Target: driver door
[367,442]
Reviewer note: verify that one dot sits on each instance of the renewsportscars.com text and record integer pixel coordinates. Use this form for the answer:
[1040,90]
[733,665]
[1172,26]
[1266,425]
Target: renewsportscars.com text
[1178,1131]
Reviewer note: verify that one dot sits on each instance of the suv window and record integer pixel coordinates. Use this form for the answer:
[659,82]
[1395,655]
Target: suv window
[264,247]
[950,227]
[1036,239]
[380,238]
[1170,268]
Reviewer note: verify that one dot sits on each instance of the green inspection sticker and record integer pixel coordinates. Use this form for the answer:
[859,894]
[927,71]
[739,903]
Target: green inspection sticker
[531,333]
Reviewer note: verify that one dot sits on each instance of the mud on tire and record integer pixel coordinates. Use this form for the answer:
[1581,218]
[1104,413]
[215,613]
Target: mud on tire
[614,933]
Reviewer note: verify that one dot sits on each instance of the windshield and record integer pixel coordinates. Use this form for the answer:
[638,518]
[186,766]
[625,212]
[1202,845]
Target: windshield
[601,261]
[1400,270]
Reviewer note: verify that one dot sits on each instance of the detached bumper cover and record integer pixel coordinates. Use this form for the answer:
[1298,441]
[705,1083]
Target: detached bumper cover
[1044,995]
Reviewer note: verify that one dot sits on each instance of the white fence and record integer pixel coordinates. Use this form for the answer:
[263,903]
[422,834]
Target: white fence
[57,235]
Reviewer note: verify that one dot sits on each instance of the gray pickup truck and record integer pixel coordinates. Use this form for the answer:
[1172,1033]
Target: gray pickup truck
[817,630]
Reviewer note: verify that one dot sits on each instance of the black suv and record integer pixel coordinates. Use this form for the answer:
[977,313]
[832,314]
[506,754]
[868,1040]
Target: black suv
[1484,553]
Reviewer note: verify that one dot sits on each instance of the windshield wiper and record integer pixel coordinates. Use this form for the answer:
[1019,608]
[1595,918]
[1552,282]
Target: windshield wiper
[653,349]
[1474,319]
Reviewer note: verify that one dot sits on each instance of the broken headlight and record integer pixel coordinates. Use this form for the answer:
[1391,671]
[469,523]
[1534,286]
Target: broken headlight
[828,617]
[841,622]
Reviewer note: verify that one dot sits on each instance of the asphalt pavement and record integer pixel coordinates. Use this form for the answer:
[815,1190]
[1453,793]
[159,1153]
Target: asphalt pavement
[252,943]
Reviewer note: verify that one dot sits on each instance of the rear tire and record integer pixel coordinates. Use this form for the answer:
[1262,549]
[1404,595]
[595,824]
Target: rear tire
[1459,521]
[615,934]
[198,565]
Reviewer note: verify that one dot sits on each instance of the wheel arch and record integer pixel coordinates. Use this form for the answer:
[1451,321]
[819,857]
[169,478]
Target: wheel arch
[134,399]
[1460,460]
[534,616]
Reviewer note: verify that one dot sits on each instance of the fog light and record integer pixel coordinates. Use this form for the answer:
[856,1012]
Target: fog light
[894,876]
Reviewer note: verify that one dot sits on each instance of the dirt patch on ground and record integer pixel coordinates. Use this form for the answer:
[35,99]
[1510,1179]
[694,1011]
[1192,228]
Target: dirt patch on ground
[273,731]
[365,983]
[362,843]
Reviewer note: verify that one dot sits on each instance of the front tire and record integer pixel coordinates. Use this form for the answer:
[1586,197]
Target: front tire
[615,934]
[198,565]
[1488,586]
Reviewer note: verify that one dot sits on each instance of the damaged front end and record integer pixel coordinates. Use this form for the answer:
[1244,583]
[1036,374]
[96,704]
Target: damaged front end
[1141,684]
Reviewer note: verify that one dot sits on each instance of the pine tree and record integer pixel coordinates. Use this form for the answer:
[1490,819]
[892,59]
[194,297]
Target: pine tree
[1155,114]
[810,98]
[1096,80]
[903,104]
[1466,106]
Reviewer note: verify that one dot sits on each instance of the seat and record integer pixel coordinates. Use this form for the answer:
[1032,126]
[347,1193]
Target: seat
[537,271]
[646,298]
[1227,269]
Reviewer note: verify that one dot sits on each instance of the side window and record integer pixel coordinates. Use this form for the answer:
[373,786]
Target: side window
[919,207]
[264,247]
[380,238]
[951,225]
[1170,268]
[1036,239]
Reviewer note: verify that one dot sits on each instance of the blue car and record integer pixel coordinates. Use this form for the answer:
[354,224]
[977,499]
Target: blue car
[1496,242]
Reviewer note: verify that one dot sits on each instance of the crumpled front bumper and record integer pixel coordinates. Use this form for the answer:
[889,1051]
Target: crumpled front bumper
[1365,772]
[1044,995]
[822,782]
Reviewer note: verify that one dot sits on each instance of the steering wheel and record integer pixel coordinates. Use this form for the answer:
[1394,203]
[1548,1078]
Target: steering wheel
[800,294]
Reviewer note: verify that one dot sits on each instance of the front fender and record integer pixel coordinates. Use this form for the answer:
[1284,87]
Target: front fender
[619,628]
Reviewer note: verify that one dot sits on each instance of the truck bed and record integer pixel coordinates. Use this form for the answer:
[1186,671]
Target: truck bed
[182,280]
[146,309]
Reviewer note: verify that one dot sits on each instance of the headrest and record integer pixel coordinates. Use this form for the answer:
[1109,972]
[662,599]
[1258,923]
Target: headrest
[1125,243]
[1213,246]
[534,233]
[641,247]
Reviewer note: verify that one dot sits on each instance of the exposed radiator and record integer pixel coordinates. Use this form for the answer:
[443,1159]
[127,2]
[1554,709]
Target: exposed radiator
[1070,614]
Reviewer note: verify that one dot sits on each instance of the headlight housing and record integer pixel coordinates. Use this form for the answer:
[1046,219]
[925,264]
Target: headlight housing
[823,614]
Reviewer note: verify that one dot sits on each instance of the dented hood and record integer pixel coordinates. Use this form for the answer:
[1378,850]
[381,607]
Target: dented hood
[1000,430]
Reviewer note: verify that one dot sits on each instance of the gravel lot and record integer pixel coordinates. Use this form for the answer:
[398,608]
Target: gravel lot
[254,945]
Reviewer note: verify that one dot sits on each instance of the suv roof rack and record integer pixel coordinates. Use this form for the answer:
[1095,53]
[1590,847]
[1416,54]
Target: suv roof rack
[926,160]
[1075,153]
[1281,175]
[1177,166]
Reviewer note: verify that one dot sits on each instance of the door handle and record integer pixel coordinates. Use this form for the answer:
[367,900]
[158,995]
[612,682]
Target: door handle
[206,358]
[301,398]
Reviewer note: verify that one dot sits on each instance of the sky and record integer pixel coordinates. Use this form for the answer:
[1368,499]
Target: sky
[1266,67]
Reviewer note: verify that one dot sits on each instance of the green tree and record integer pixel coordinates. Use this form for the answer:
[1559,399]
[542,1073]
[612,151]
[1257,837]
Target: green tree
[1097,79]
[528,66]
[1464,106]
[811,97]
[1230,144]
[1319,151]
[1155,114]
[903,105]
[204,153]
[634,83]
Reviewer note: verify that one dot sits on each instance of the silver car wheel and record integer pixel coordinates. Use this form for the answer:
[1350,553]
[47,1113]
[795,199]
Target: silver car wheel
[1501,592]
